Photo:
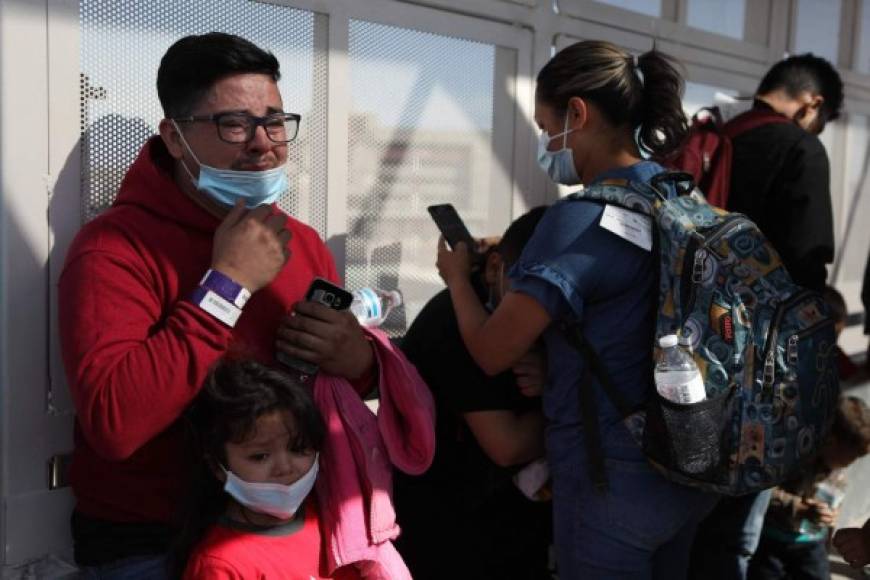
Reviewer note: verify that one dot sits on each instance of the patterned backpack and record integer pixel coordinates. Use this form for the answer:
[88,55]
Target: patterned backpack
[764,346]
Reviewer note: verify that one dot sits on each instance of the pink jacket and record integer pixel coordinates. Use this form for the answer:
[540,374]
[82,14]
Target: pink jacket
[355,485]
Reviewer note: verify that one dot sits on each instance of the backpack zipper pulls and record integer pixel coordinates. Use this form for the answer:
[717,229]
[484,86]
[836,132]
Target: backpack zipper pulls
[769,374]
[793,349]
[698,266]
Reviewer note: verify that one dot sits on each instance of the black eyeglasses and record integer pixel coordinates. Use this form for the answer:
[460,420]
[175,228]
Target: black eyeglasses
[235,127]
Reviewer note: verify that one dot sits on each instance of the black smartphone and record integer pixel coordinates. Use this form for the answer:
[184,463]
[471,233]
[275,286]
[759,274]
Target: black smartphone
[451,225]
[328,294]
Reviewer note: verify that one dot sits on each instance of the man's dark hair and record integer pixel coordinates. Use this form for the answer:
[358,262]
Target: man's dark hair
[194,63]
[806,73]
[518,234]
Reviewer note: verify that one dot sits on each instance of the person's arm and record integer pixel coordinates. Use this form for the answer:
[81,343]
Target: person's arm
[497,341]
[508,438]
[132,363]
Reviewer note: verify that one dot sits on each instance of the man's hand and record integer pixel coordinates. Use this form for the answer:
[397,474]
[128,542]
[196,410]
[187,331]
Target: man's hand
[251,246]
[331,339]
[854,545]
[531,373]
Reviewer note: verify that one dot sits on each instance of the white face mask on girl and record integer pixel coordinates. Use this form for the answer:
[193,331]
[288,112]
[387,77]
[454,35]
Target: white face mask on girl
[274,499]
[559,165]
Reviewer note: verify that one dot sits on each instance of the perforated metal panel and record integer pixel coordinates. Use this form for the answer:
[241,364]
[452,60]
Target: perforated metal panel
[122,43]
[420,133]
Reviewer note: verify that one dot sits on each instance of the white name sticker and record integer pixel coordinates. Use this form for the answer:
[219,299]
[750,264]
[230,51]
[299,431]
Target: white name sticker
[630,225]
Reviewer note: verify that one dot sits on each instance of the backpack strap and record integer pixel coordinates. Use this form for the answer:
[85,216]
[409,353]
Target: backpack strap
[588,406]
[752,119]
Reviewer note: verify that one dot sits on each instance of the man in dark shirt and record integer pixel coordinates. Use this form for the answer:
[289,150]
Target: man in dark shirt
[465,517]
[780,178]
[780,175]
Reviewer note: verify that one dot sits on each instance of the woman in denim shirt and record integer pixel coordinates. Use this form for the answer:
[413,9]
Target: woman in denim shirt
[598,107]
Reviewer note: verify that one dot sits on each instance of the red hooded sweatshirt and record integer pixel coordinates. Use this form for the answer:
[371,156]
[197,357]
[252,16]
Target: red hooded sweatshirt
[136,350]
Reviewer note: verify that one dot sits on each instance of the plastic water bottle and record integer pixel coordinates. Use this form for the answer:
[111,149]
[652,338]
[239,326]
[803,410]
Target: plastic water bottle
[371,306]
[677,376]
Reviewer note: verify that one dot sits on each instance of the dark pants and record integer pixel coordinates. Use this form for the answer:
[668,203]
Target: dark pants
[775,560]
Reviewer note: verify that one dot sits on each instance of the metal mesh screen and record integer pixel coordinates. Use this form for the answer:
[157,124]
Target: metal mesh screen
[121,47]
[420,131]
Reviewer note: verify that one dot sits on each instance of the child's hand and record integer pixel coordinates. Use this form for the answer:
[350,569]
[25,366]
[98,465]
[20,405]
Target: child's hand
[819,512]
[854,545]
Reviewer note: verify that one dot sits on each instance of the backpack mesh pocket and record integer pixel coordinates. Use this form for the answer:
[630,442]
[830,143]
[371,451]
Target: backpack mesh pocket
[695,439]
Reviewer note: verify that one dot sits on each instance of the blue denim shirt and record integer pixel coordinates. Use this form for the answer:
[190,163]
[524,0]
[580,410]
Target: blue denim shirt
[580,272]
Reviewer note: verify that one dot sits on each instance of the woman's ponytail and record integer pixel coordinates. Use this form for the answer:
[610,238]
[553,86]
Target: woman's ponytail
[662,122]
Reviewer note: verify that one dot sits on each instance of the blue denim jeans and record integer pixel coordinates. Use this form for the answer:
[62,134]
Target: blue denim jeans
[729,536]
[641,528]
[137,568]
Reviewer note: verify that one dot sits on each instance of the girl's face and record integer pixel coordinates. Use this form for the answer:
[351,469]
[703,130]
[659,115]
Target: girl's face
[265,456]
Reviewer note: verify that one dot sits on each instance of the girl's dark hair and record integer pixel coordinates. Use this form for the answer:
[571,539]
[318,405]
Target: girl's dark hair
[519,233]
[645,97]
[194,63]
[234,396]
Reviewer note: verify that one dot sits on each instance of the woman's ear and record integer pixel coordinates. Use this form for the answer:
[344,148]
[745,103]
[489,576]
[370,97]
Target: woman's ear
[578,113]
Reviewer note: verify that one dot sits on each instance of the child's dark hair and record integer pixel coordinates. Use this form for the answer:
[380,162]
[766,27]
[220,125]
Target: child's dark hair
[642,94]
[235,394]
[852,424]
[518,234]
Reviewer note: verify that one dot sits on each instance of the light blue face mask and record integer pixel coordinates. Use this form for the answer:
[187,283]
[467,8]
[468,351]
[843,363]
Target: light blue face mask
[559,165]
[225,186]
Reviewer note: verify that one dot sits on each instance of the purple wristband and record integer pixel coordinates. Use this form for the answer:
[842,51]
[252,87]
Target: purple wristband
[225,287]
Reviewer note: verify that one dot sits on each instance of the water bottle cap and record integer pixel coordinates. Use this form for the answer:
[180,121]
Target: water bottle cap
[668,341]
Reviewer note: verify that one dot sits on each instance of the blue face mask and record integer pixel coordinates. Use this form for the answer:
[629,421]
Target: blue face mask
[225,186]
[559,165]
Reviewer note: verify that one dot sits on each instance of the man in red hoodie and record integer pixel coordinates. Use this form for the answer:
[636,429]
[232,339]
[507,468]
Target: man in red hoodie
[191,261]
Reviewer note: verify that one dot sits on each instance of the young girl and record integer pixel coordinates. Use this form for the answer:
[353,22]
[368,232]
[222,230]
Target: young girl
[257,434]
[597,107]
